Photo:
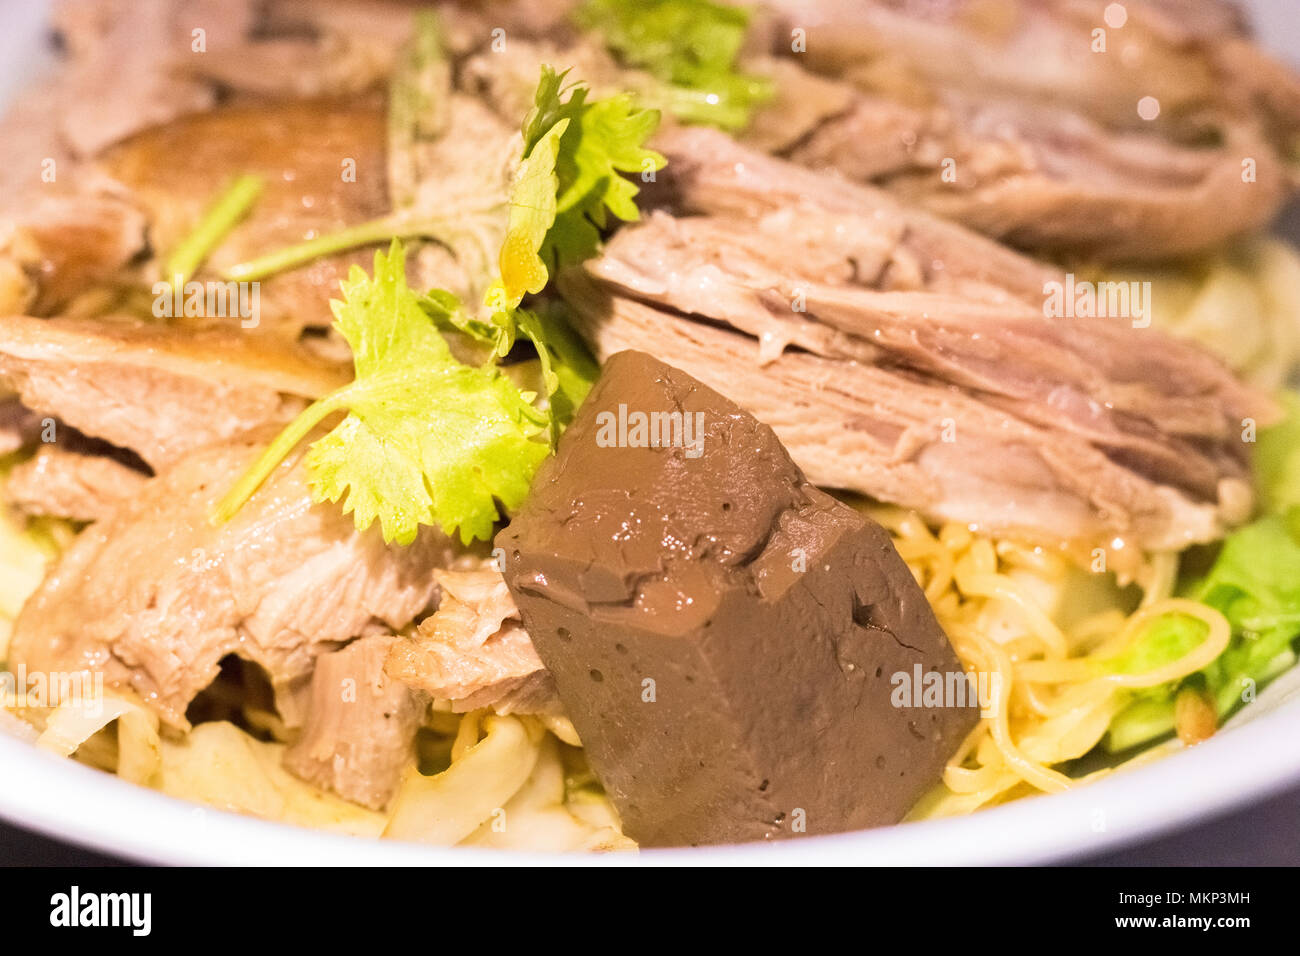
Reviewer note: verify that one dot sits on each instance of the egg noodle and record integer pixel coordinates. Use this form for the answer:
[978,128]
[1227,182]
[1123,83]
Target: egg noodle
[1054,698]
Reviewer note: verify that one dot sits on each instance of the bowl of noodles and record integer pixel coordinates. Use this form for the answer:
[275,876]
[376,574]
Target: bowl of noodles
[1125,683]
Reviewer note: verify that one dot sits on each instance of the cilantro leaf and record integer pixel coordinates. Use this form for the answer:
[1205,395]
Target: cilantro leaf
[533,206]
[569,180]
[607,141]
[691,48]
[568,369]
[427,439]
[574,152]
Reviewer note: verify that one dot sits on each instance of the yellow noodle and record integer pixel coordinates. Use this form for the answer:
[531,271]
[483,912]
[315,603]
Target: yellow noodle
[1085,669]
[989,585]
[1054,696]
[466,734]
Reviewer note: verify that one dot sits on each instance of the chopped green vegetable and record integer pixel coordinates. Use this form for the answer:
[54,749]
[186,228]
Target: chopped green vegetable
[533,206]
[291,257]
[1165,640]
[568,370]
[1277,459]
[427,439]
[569,181]
[691,48]
[221,217]
[1255,584]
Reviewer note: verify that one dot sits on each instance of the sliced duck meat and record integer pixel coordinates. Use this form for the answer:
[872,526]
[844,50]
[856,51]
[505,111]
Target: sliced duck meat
[134,65]
[924,444]
[309,49]
[155,595]
[852,234]
[304,151]
[1172,410]
[715,265]
[123,74]
[359,733]
[1049,179]
[1123,152]
[325,167]
[19,425]
[708,172]
[725,637]
[74,482]
[332,47]
[62,245]
[1038,50]
[802,102]
[473,651]
[157,390]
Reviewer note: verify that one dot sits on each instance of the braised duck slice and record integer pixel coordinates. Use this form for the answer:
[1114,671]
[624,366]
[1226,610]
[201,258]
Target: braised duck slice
[1045,178]
[1173,51]
[360,726]
[1165,404]
[122,65]
[323,167]
[159,391]
[68,481]
[155,595]
[708,172]
[62,245]
[473,651]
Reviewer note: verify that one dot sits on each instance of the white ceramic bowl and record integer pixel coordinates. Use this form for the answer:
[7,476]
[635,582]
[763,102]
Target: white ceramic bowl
[1258,755]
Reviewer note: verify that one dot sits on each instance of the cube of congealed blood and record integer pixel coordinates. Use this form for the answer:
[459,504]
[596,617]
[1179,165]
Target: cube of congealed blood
[723,634]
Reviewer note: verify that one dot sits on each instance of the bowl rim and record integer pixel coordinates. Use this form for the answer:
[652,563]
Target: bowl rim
[68,801]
